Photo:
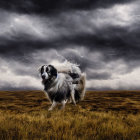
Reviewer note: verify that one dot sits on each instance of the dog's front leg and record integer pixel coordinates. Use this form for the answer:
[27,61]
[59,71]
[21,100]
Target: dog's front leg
[72,96]
[63,104]
[52,106]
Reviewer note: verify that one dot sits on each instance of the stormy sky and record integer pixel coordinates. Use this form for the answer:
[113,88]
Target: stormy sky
[102,36]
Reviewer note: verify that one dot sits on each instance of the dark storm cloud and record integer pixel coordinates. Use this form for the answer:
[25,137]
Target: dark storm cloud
[119,43]
[111,38]
[55,6]
[101,36]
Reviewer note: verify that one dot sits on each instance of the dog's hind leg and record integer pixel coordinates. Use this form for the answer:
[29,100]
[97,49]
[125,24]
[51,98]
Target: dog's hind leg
[72,96]
[70,100]
[52,106]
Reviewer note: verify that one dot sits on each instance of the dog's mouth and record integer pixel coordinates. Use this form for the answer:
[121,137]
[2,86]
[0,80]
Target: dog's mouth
[44,80]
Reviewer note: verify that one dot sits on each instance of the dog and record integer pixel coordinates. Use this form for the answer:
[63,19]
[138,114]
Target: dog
[61,85]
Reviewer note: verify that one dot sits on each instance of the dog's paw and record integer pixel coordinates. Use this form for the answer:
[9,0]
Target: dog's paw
[50,109]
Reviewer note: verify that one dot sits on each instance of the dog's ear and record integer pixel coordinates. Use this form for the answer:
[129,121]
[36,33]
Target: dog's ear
[53,70]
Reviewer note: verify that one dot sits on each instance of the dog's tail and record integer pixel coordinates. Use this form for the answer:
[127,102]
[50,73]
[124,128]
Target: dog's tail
[80,88]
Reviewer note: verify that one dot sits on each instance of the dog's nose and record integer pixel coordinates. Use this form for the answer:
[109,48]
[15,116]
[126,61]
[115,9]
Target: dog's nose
[43,76]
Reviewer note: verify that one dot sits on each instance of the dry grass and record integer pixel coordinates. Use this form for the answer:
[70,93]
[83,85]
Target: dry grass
[101,116]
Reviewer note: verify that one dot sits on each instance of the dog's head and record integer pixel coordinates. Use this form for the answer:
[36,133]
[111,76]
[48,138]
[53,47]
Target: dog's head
[48,72]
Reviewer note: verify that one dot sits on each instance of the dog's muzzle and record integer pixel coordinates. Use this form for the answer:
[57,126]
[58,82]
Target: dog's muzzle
[44,76]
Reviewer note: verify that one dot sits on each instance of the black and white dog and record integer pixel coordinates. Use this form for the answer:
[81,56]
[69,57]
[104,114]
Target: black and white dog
[62,84]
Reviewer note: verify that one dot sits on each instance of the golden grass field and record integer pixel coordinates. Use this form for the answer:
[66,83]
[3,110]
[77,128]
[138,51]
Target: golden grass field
[103,115]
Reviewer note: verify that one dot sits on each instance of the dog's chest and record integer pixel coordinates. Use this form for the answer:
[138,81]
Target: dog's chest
[60,88]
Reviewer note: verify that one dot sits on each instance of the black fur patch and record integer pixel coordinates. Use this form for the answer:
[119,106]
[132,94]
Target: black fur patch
[53,70]
[74,75]
[59,95]
[76,95]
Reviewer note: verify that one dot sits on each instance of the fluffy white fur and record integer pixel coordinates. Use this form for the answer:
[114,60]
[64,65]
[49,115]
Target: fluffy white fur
[68,67]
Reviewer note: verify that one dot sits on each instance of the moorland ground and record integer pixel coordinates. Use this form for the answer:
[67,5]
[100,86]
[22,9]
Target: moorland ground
[103,115]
